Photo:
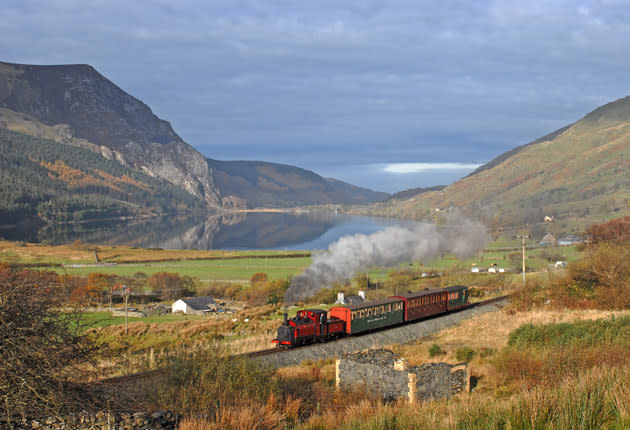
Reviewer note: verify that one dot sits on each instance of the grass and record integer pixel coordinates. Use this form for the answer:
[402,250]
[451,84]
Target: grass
[205,270]
[105,319]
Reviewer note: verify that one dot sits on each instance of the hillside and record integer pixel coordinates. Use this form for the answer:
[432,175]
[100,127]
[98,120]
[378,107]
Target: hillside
[264,184]
[579,173]
[83,104]
[75,105]
[44,181]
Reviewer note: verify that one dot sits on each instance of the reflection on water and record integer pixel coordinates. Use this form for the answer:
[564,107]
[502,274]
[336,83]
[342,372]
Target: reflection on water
[269,230]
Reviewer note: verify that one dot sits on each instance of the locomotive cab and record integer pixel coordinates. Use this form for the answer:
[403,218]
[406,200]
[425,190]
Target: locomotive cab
[307,326]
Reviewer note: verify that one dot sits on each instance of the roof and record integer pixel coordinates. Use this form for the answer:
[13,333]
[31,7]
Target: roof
[421,293]
[353,300]
[456,288]
[370,303]
[199,303]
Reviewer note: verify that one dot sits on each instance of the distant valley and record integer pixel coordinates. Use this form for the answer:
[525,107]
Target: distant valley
[75,147]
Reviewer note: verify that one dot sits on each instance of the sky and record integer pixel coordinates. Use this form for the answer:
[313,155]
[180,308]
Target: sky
[388,95]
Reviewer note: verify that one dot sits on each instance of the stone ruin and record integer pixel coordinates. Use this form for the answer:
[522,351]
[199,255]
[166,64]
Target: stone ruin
[382,373]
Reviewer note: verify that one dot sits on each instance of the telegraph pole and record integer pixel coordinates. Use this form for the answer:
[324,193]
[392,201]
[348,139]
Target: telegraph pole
[523,237]
[125,292]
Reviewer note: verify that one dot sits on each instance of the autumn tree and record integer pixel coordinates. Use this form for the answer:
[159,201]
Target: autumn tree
[615,231]
[170,285]
[605,269]
[38,347]
[258,278]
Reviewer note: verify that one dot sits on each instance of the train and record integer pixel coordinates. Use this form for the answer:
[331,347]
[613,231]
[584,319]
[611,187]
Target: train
[319,325]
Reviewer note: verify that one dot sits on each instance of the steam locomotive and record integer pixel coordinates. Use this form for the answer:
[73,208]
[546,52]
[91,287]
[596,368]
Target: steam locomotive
[317,325]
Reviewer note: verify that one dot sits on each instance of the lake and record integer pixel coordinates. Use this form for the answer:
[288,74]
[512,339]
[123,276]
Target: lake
[238,231]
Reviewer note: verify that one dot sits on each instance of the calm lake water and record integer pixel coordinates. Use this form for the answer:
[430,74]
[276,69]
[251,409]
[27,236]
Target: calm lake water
[241,231]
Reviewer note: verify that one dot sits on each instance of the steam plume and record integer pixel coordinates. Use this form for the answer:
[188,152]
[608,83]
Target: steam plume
[393,245]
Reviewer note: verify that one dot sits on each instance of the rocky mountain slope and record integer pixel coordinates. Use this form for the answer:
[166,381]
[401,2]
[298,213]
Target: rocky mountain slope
[578,173]
[75,105]
[83,104]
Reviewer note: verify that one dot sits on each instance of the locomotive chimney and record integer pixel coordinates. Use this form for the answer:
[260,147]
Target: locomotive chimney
[285,314]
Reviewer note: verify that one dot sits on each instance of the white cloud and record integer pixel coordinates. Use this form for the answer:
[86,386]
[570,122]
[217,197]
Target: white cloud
[425,167]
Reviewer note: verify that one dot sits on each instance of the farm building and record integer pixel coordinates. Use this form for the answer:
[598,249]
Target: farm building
[548,240]
[195,305]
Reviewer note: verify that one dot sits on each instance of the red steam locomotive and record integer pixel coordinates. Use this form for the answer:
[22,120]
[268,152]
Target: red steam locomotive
[317,325]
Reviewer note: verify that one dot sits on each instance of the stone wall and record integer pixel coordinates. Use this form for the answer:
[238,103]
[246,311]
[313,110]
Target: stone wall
[376,376]
[383,374]
[104,421]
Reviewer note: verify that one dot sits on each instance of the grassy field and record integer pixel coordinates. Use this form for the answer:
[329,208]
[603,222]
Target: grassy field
[239,266]
[204,270]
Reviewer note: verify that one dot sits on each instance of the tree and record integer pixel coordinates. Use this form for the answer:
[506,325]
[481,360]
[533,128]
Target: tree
[258,278]
[38,347]
[167,285]
[98,283]
[616,231]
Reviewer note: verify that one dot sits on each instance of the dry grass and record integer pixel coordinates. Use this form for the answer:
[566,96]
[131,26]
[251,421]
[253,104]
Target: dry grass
[19,252]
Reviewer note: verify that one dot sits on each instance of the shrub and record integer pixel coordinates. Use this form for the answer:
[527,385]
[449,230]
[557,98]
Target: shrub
[204,381]
[39,344]
[464,353]
[435,350]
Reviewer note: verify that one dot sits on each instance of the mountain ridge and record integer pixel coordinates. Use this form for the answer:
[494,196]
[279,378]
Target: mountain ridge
[78,106]
[579,174]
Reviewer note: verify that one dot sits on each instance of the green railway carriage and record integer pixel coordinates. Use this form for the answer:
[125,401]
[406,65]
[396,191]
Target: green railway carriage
[457,296]
[370,315]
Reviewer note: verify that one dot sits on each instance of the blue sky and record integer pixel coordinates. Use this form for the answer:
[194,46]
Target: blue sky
[348,89]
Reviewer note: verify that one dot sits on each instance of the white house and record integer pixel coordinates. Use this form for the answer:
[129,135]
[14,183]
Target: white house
[194,305]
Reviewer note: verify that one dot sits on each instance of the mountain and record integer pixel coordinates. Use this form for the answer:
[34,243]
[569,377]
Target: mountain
[264,184]
[577,174]
[43,181]
[83,104]
[76,106]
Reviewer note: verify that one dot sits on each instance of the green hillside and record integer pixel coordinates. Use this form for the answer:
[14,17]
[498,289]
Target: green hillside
[578,175]
[42,180]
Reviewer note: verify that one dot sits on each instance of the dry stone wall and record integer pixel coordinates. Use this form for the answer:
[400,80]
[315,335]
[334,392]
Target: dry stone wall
[382,374]
[103,421]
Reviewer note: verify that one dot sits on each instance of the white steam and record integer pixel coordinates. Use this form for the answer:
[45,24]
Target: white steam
[391,246]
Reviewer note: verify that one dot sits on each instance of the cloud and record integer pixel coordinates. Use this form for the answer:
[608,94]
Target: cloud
[426,167]
[294,81]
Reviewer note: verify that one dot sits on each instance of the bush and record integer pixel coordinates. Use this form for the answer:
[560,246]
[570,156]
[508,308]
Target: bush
[435,350]
[581,334]
[204,381]
[464,354]
[39,345]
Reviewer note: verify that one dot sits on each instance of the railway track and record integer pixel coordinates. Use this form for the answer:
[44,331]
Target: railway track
[468,306]
[277,350]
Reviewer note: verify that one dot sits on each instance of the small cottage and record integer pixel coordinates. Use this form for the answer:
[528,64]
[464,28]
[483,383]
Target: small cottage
[195,305]
[548,240]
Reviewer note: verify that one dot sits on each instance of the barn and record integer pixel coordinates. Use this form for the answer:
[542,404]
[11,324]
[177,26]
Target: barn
[194,305]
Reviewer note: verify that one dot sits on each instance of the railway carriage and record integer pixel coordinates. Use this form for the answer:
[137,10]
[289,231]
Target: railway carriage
[424,303]
[457,296]
[370,315]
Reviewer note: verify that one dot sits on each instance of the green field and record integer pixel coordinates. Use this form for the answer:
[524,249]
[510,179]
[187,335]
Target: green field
[204,270]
